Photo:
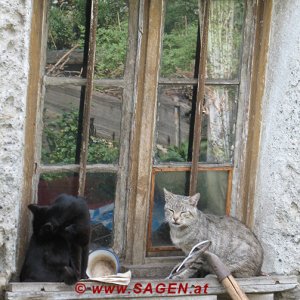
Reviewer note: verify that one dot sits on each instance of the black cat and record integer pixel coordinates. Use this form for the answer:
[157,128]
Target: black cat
[59,246]
[48,258]
[69,217]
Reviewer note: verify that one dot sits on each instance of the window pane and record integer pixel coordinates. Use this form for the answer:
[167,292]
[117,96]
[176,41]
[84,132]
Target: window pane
[60,118]
[53,184]
[173,123]
[105,125]
[218,127]
[100,193]
[112,34]
[180,39]
[176,182]
[66,38]
[212,186]
[225,38]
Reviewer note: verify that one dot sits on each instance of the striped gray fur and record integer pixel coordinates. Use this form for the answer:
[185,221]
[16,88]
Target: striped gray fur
[233,242]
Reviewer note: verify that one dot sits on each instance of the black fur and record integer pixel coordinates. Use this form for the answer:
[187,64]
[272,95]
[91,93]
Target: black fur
[59,246]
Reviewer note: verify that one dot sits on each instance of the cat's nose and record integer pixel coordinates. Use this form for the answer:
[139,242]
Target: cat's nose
[175,219]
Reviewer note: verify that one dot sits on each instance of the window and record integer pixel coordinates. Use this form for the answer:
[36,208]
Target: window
[83,108]
[137,96]
[198,95]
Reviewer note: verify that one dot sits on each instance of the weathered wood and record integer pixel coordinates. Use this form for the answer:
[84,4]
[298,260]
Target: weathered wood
[192,81]
[252,286]
[64,81]
[261,297]
[173,167]
[138,91]
[104,168]
[200,97]
[233,289]
[128,105]
[263,24]
[144,139]
[88,97]
[34,90]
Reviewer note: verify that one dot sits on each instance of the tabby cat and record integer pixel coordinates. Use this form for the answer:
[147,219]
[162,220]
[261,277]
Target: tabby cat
[234,243]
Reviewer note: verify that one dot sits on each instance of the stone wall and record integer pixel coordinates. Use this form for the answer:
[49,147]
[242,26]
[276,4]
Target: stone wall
[14,44]
[277,216]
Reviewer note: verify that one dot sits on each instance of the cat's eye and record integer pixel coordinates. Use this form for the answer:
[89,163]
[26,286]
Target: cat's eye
[170,210]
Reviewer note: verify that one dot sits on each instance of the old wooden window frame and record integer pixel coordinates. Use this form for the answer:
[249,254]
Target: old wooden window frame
[255,46]
[120,169]
[135,169]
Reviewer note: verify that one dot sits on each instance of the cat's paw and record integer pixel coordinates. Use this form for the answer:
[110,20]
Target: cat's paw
[180,276]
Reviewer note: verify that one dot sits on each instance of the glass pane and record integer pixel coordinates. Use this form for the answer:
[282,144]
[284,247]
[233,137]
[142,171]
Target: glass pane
[176,182]
[173,123]
[60,118]
[66,38]
[53,184]
[179,39]
[112,35]
[218,127]
[105,125]
[225,38]
[212,186]
[100,191]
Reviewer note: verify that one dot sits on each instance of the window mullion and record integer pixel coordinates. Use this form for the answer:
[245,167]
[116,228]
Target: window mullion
[199,99]
[88,96]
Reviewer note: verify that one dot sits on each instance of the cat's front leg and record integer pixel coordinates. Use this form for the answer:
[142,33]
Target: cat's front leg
[70,275]
[84,261]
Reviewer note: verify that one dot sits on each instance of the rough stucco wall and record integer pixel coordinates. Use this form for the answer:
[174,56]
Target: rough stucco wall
[277,216]
[14,44]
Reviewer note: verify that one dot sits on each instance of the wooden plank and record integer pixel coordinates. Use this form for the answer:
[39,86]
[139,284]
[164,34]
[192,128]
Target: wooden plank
[34,91]
[253,285]
[138,93]
[263,24]
[64,81]
[104,168]
[183,167]
[194,81]
[261,297]
[91,296]
[144,138]
[128,106]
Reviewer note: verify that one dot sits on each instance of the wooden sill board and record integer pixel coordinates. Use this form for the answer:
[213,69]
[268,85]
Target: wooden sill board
[253,285]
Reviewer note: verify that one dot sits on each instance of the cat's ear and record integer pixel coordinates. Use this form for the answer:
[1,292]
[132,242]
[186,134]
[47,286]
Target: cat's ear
[193,200]
[34,208]
[168,194]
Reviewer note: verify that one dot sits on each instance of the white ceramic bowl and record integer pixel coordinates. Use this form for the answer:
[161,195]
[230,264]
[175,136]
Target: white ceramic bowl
[102,262]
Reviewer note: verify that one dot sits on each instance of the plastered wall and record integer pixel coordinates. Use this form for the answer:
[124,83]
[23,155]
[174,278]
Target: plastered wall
[277,207]
[14,44]
[277,215]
